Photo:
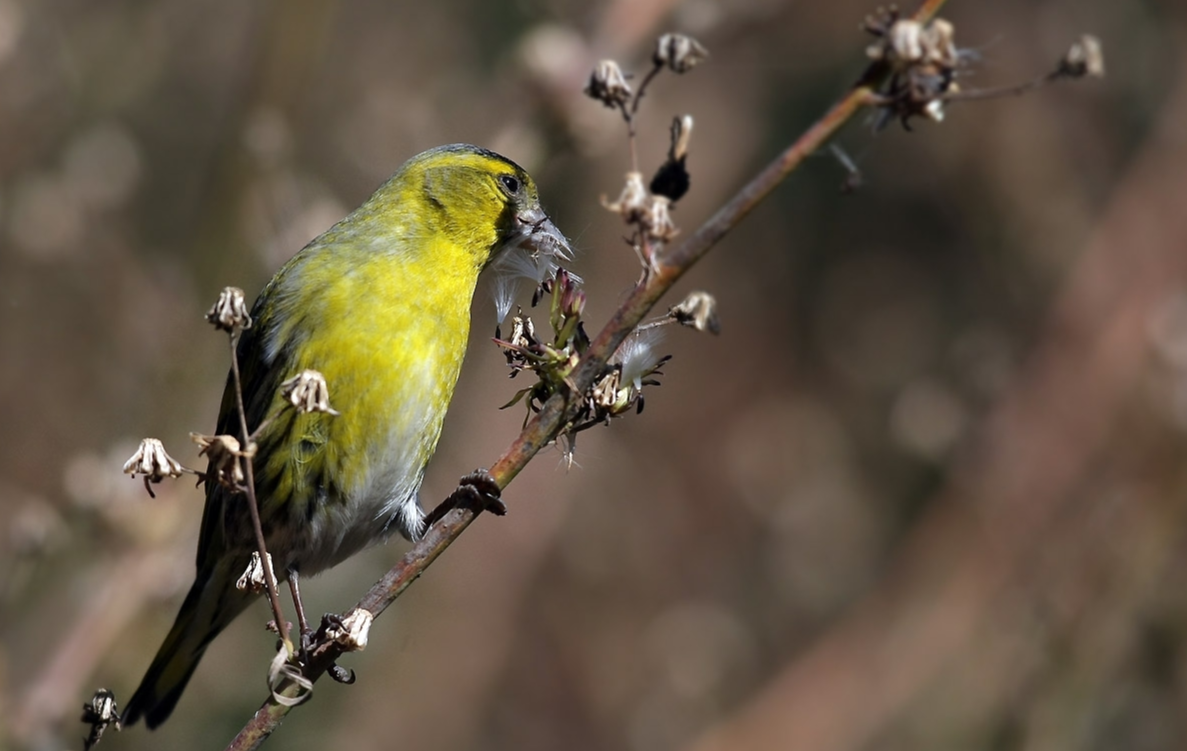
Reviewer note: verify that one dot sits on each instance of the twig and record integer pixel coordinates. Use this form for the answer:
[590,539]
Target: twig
[1004,91]
[629,112]
[253,506]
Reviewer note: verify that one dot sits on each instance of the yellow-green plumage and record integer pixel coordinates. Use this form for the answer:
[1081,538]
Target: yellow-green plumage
[380,305]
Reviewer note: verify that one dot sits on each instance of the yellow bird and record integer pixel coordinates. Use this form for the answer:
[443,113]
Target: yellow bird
[380,305]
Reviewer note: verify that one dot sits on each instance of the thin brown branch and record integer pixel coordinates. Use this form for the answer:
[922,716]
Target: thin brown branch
[254,507]
[1001,92]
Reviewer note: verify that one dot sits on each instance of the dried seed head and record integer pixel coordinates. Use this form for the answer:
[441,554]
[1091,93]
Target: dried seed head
[672,179]
[657,219]
[604,393]
[307,392]
[906,42]
[100,712]
[523,331]
[1084,58]
[608,84]
[253,579]
[939,43]
[152,461]
[698,311]
[901,42]
[923,61]
[679,52]
[224,454]
[230,311]
[352,633]
[101,708]
[632,202]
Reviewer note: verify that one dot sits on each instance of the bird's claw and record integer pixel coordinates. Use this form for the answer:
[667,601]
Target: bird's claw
[482,493]
[477,492]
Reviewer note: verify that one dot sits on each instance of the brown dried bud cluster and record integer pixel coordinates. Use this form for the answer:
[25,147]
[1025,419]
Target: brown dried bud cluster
[906,42]
[153,462]
[225,456]
[253,578]
[620,388]
[230,312]
[608,85]
[307,392]
[553,362]
[100,713]
[680,53]
[648,207]
[632,202]
[1084,58]
[923,60]
[648,211]
[523,335]
[657,219]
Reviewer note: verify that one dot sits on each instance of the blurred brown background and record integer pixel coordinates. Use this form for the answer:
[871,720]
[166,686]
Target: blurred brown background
[926,491]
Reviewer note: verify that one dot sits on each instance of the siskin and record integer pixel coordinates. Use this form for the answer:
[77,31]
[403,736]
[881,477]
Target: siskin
[379,304]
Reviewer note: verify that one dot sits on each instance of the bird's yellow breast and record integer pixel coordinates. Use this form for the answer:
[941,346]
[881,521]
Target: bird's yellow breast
[388,331]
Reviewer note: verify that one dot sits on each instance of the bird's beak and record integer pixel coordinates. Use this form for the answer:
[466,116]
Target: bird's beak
[536,233]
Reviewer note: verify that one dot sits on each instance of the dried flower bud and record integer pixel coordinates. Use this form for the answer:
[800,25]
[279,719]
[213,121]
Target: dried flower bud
[230,311]
[632,203]
[99,713]
[523,331]
[307,392]
[698,311]
[905,42]
[1084,58]
[224,454]
[679,52]
[672,179]
[152,461]
[604,393]
[939,43]
[608,85]
[657,219]
[901,42]
[253,579]
[352,632]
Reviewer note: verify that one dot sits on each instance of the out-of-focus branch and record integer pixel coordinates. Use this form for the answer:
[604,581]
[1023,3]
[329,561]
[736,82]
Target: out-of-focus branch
[1036,448]
[555,414]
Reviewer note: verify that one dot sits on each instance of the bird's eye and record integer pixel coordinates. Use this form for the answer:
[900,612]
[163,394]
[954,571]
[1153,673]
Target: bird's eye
[510,183]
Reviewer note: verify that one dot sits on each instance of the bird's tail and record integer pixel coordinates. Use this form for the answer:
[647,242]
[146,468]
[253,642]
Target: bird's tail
[213,602]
